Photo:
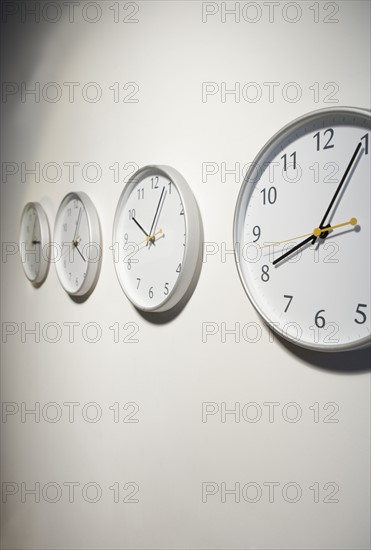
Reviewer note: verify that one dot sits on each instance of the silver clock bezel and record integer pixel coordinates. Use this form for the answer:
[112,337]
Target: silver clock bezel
[193,229]
[95,236]
[265,151]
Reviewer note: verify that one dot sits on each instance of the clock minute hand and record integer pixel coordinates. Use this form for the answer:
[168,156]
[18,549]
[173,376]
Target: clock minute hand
[355,154]
[77,226]
[78,250]
[155,216]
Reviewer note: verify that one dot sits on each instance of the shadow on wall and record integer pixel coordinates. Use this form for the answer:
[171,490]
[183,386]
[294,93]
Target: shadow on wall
[346,362]
[18,57]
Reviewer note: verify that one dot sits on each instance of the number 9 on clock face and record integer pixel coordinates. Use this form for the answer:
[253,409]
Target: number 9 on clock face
[156,238]
[302,230]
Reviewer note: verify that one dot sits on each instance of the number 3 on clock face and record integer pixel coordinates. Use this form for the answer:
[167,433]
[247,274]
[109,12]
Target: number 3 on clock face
[302,230]
[156,238]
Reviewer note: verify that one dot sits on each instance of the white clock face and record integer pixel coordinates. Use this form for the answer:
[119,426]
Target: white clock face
[313,174]
[34,240]
[77,236]
[152,240]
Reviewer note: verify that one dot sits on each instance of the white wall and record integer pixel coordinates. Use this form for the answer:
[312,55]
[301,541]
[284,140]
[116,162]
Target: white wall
[170,452]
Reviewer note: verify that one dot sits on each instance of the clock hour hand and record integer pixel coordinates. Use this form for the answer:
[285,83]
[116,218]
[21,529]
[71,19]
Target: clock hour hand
[78,250]
[141,228]
[317,232]
[312,238]
[77,227]
[149,238]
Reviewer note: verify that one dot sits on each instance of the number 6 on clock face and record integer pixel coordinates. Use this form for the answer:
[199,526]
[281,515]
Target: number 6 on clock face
[302,230]
[156,238]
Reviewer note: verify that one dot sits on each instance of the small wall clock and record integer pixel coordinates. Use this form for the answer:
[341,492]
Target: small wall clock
[157,236]
[302,230]
[33,241]
[77,237]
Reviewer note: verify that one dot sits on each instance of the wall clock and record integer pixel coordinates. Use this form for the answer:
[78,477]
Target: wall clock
[157,236]
[302,230]
[77,237]
[33,241]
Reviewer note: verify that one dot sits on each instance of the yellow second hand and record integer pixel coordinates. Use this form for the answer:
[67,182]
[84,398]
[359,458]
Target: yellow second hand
[151,237]
[316,232]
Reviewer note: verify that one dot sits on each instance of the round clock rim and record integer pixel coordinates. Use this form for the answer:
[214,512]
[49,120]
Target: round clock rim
[95,236]
[192,220]
[45,239]
[264,151]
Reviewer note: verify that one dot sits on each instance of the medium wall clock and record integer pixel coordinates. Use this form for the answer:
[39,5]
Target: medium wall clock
[33,242]
[302,230]
[77,237]
[157,236]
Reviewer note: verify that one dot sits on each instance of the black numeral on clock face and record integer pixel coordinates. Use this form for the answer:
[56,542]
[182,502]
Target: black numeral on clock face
[286,164]
[329,133]
[289,298]
[265,274]
[256,232]
[362,317]
[365,137]
[269,196]
[319,319]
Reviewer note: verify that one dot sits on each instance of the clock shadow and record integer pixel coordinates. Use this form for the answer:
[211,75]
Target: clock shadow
[163,317]
[344,362]
[38,285]
[83,298]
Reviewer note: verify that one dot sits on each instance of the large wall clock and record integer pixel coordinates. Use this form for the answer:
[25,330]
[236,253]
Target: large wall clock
[157,238]
[302,230]
[77,237]
[33,242]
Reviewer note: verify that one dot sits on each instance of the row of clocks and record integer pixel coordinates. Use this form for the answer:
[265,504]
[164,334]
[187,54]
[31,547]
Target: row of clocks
[157,240]
[304,209]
